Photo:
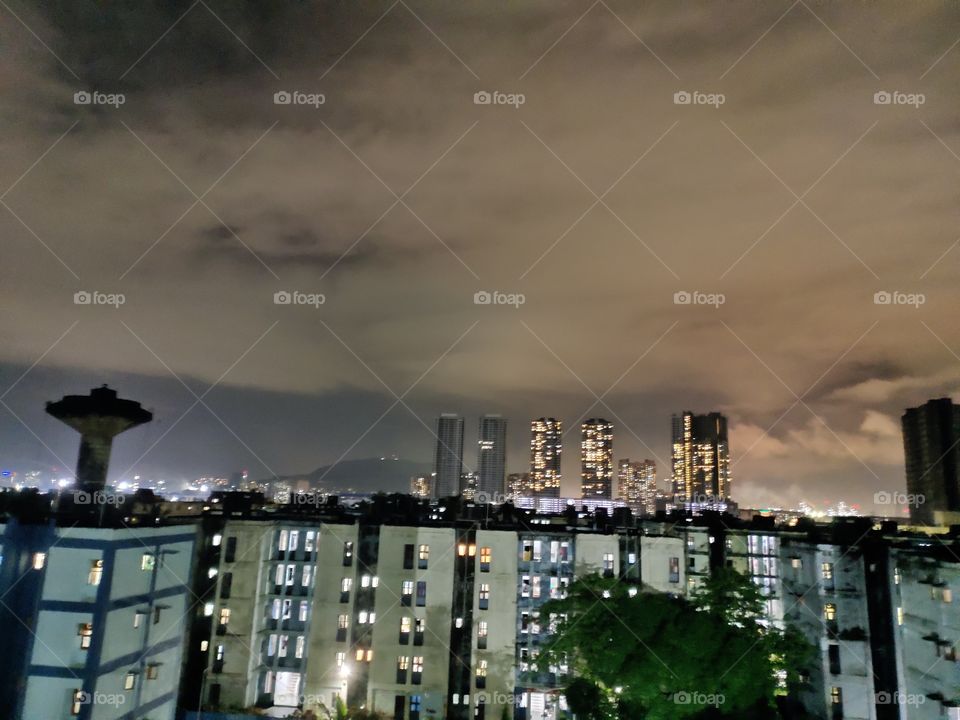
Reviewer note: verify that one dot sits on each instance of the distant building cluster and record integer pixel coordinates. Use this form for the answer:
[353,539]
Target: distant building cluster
[412,607]
[700,465]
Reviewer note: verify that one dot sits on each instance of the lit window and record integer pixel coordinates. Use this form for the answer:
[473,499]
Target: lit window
[224,616]
[153,671]
[79,700]
[282,541]
[85,631]
[294,537]
[827,570]
[424,556]
[308,541]
[486,555]
[341,659]
[484,596]
[212,573]
[406,592]
[300,644]
[148,561]
[417,669]
[305,578]
[303,610]
[207,611]
[829,612]
[947,595]
[347,553]
[217,539]
[272,646]
[365,581]
[204,644]
[900,616]
[129,681]
[39,560]
[836,696]
[362,619]
[462,549]
[481,674]
[96,572]
[369,657]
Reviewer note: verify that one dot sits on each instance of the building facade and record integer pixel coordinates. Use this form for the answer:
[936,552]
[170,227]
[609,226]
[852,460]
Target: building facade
[596,459]
[701,459]
[546,448]
[931,447]
[491,458]
[637,485]
[448,462]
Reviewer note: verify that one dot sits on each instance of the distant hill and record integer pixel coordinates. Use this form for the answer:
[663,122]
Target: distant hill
[364,475]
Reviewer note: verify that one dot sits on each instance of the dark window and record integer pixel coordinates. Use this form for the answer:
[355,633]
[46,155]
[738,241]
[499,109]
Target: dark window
[226,584]
[399,703]
[214,696]
[408,557]
[421,593]
[418,628]
[231,552]
[481,710]
[834,655]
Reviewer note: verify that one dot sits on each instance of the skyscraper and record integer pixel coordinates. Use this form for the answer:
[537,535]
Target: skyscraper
[546,445]
[492,457]
[596,459]
[638,485]
[448,467]
[931,448]
[701,458]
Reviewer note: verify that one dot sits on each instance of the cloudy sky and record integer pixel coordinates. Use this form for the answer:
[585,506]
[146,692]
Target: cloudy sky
[783,189]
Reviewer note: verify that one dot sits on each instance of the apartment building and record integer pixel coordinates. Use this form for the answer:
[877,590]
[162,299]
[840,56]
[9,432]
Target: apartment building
[93,618]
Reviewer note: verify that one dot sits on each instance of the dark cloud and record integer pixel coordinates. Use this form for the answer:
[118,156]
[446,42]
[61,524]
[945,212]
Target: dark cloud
[701,199]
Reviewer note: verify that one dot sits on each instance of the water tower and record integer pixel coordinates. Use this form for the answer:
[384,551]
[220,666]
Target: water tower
[98,417]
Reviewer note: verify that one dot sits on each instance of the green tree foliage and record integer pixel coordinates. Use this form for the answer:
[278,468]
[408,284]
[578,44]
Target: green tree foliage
[662,657]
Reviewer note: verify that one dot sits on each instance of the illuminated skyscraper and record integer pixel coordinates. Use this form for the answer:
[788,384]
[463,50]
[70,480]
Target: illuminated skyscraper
[492,457]
[519,485]
[596,458]
[638,485]
[701,458]
[546,445]
[931,448]
[449,458]
[420,485]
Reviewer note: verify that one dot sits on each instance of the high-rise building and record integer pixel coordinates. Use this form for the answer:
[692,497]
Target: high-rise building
[448,467]
[492,457]
[638,485]
[931,448]
[701,459]
[546,446]
[421,486]
[596,458]
[519,485]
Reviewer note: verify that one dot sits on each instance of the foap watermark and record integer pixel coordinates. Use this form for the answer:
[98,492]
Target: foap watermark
[295,297]
[94,297]
[482,97]
[497,698]
[695,97]
[895,97]
[296,97]
[683,297]
[95,97]
[98,497]
[900,698]
[307,498]
[685,697]
[99,698]
[895,297]
[495,297]
[487,498]
[898,498]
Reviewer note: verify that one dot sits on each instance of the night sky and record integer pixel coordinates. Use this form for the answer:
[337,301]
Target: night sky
[598,198]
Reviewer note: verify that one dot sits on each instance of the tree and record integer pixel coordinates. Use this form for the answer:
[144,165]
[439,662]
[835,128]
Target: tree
[663,657]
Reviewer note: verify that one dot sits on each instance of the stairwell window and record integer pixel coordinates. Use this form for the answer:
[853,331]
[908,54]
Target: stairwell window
[85,631]
[39,560]
[129,681]
[148,562]
[96,572]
